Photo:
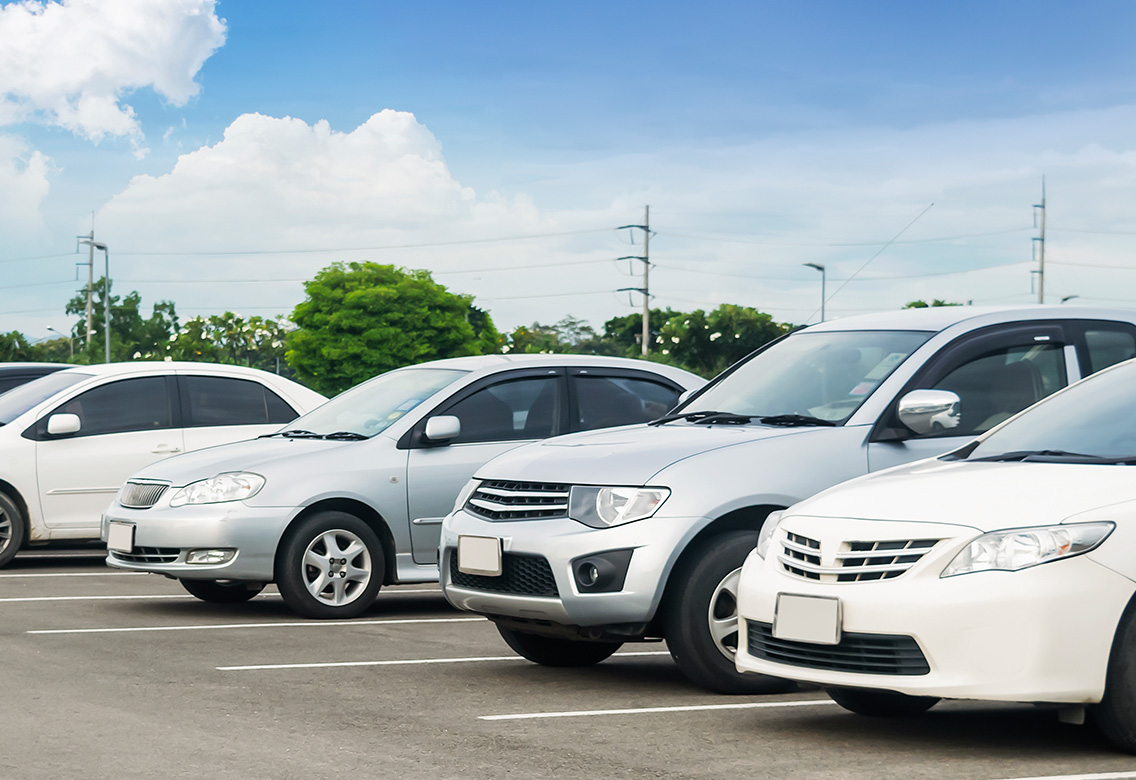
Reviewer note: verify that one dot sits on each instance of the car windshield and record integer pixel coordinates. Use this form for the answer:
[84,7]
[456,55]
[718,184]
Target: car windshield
[31,394]
[374,405]
[820,377]
[1093,421]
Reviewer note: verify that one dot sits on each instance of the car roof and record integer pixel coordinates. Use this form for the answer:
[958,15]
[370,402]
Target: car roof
[160,366]
[490,363]
[16,367]
[937,318]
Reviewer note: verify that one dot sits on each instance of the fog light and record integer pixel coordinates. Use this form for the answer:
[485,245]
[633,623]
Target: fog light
[210,556]
[602,572]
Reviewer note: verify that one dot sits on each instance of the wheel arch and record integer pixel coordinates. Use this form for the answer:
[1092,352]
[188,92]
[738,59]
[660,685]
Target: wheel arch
[364,512]
[9,490]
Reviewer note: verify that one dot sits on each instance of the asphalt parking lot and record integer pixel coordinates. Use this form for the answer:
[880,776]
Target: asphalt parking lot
[115,674]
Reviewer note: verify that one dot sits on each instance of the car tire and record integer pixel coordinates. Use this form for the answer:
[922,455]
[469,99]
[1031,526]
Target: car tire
[13,530]
[700,620]
[1115,715]
[222,591]
[880,704]
[330,566]
[553,651]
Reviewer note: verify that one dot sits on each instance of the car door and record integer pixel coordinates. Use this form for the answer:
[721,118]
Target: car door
[125,424]
[498,414]
[220,409]
[996,372]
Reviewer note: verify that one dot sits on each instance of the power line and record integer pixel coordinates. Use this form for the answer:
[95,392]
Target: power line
[844,243]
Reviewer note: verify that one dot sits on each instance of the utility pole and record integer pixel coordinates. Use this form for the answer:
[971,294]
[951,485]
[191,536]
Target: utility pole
[89,240]
[106,294]
[645,289]
[1040,243]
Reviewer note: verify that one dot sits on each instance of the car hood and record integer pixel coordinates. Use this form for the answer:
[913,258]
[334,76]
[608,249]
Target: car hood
[631,455]
[986,496]
[252,455]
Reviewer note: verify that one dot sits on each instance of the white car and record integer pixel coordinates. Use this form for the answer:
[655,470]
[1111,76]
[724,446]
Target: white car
[1002,571]
[69,440]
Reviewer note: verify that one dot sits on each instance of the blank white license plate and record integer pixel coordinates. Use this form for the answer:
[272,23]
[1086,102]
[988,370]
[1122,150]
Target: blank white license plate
[813,619]
[479,555]
[120,536]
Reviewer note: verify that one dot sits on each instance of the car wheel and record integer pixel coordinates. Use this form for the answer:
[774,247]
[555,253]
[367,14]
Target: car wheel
[553,651]
[222,591]
[880,704]
[12,530]
[1115,716]
[331,565]
[700,621]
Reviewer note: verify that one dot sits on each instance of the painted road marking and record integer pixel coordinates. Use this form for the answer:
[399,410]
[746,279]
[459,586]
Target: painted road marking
[83,574]
[220,626]
[649,710]
[407,662]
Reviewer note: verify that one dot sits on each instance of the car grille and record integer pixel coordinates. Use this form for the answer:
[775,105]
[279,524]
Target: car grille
[504,500]
[853,561]
[863,653]
[141,495]
[147,555]
[521,575]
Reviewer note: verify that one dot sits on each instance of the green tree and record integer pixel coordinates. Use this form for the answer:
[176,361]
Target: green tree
[571,334]
[15,346]
[707,344]
[132,337]
[230,338]
[361,319]
[627,331]
[932,304]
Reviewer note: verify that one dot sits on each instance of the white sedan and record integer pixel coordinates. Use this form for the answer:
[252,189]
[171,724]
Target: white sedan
[1004,571]
[69,440]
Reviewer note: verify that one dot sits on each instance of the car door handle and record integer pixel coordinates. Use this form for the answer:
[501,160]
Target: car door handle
[165,449]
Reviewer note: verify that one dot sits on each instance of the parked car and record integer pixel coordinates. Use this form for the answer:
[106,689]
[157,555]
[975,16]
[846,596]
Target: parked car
[578,544]
[68,440]
[351,496]
[16,374]
[1002,571]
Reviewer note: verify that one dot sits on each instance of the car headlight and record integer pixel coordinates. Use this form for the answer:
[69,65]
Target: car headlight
[235,486]
[603,507]
[465,493]
[1021,548]
[768,528]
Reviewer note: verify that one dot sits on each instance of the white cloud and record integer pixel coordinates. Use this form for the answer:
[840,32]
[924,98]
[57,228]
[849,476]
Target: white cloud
[70,63]
[23,187]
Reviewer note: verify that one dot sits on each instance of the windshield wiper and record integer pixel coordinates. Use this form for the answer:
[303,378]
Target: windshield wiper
[295,433]
[1047,456]
[790,420]
[345,436]
[707,417]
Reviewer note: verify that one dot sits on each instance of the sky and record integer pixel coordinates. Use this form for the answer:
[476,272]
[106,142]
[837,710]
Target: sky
[224,151]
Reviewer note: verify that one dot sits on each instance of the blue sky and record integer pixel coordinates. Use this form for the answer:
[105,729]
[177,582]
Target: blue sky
[262,140]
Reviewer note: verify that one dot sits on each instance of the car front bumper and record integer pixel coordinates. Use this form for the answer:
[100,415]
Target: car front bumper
[653,544]
[1041,634]
[163,536]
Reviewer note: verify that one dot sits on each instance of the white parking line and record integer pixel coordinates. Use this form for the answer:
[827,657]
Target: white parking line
[407,662]
[219,626]
[646,710]
[84,574]
[91,598]
[1100,776]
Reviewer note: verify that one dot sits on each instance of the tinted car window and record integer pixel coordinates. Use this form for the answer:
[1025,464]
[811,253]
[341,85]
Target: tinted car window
[26,396]
[520,409]
[1108,347]
[606,401]
[128,405]
[221,401]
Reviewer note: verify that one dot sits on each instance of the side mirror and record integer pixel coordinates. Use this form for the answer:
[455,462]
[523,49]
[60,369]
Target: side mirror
[443,428]
[63,424]
[929,411]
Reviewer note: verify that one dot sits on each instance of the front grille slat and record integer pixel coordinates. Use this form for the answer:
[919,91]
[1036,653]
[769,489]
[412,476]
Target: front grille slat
[885,654]
[521,575]
[503,500]
[141,495]
[858,561]
[147,555]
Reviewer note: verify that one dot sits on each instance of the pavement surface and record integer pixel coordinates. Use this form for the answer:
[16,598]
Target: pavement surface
[109,674]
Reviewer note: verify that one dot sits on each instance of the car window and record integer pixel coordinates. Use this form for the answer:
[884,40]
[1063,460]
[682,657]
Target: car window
[996,385]
[1107,347]
[516,409]
[35,392]
[141,404]
[217,400]
[606,401]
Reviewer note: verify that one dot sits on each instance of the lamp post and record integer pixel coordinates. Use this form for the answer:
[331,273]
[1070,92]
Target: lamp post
[820,268]
[106,294]
[70,341]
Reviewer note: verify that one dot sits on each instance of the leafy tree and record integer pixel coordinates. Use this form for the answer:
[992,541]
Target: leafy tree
[709,343]
[932,304]
[361,319]
[627,331]
[230,338]
[15,346]
[131,336]
[571,334]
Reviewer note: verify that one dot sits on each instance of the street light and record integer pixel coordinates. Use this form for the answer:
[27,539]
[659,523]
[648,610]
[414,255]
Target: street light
[820,268]
[106,294]
[70,341]
[1069,298]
